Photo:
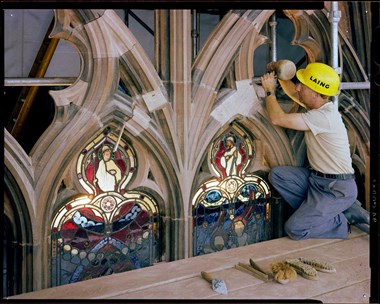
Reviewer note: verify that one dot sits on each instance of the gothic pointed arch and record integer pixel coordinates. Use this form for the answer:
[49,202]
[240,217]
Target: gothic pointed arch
[110,229]
[232,209]
[109,53]
[170,123]
[17,240]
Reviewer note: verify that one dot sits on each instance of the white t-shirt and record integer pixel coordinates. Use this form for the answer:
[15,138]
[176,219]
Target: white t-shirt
[328,148]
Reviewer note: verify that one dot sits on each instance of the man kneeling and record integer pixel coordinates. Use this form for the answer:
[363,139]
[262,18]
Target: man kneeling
[323,196]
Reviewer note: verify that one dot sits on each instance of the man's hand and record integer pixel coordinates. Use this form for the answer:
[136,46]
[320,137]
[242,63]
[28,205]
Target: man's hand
[271,66]
[276,114]
[268,82]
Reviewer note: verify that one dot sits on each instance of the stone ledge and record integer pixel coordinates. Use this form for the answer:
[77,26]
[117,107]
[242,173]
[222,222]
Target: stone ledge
[179,279]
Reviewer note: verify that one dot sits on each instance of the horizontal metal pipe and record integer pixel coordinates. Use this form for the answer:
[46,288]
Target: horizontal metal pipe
[30,82]
[67,81]
[343,85]
[355,85]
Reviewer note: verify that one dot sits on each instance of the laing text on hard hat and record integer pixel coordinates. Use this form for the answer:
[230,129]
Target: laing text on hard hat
[318,82]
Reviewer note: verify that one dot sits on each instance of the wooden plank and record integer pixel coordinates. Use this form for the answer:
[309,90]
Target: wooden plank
[169,280]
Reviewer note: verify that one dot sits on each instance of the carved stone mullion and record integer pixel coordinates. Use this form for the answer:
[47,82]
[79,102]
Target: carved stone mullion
[180,76]
[180,80]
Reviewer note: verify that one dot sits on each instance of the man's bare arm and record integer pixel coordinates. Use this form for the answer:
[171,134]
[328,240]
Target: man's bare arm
[279,118]
[276,114]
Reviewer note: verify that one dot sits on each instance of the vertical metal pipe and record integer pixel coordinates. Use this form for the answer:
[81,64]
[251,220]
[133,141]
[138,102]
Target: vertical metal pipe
[195,32]
[334,17]
[273,25]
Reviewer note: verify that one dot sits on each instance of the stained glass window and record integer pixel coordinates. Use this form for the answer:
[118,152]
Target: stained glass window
[106,164]
[231,153]
[109,230]
[234,209]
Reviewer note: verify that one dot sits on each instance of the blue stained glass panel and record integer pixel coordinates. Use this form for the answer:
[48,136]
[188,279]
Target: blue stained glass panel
[213,196]
[234,209]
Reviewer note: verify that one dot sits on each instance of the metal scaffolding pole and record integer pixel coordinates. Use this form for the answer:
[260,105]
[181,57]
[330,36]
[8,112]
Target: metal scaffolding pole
[273,26]
[195,32]
[68,81]
[334,18]
[40,82]
[355,85]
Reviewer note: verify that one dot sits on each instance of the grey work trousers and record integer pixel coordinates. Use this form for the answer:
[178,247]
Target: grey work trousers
[318,202]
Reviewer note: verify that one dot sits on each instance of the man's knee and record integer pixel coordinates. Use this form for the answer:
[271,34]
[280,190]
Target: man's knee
[274,175]
[293,232]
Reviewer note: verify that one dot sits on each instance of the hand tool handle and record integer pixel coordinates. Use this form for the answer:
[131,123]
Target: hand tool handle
[254,265]
[206,276]
[262,276]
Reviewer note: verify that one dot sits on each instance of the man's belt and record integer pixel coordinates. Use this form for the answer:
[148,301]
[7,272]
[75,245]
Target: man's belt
[333,176]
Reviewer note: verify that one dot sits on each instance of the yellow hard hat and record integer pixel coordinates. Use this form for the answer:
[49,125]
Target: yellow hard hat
[320,77]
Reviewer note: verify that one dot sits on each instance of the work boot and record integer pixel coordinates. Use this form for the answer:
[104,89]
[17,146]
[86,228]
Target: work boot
[358,216]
